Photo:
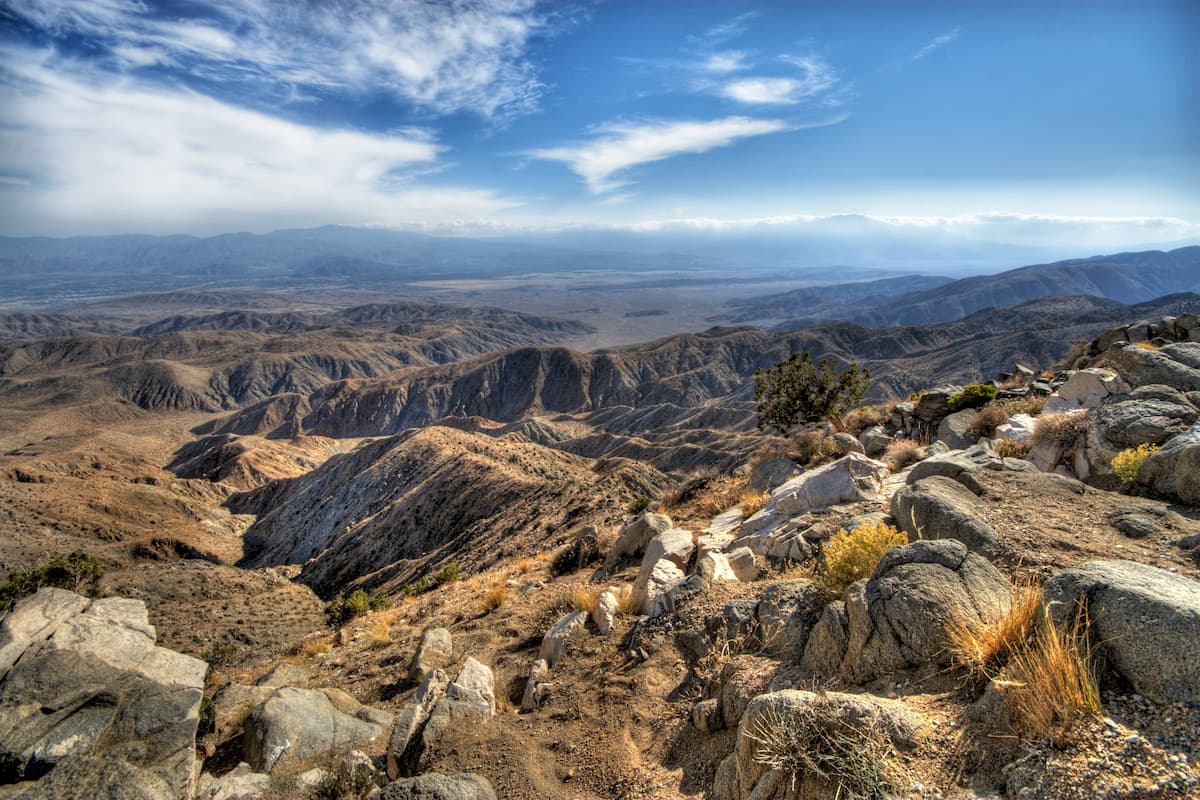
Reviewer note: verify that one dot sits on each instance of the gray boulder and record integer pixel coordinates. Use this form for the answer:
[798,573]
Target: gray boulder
[296,724]
[636,535]
[875,441]
[955,431]
[846,444]
[1145,621]
[935,403]
[898,618]
[90,706]
[940,508]
[434,651]
[1147,415]
[407,727]
[852,477]
[772,472]
[786,612]
[1186,353]
[434,786]
[1173,470]
[232,703]
[240,783]
[1141,367]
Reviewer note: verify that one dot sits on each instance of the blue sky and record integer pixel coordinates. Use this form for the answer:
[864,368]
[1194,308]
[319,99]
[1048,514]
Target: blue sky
[1021,122]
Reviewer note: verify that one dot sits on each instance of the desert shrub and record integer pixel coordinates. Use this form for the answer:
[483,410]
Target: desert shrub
[865,417]
[982,649]
[208,716]
[582,550]
[77,571]
[1032,405]
[494,597]
[346,780]
[852,555]
[721,495]
[902,452]
[343,608]
[812,448]
[973,395]
[1060,430]
[447,574]
[638,504]
[751,501]
[1053,680]
[629,600]
[585,599]
[1011,448]
[797,391]
[1127,462]
[817,740]
[986,420]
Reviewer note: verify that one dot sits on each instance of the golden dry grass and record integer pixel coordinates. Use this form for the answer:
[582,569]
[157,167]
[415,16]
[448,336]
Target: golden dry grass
[1028,405]
[987,419]
[1060,430]
[751,501]
[1054,683]
[852,555]
[1011,448]
[813,448]
[379,631]
[1151,346]
[315,647]
[865,417]
[901,453]
[982,649]
[585,599]
[720,495]
[494,597]
[629,601]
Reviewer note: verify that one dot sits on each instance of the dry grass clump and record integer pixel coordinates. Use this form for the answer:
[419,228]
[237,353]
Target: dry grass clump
[984,648]
[1060,430]
[1127,462]
[812,448]
[901,453]
[1033,406]
[585,599]
[379,629]
[987,419]
[852,555]
[1011,448]
[629,600]
[817,741]
[720,495]
[865,417]
[310,648]
[494,597]
[1151,346]
[751,501]
[1054,681]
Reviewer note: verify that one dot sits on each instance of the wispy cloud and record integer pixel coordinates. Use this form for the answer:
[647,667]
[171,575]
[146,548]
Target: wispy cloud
[618,146]
[725,31]
[816,78]
[99,153]
[937,43]
[724,62]
[469,55]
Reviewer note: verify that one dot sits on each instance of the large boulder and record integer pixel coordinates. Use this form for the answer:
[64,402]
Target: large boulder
[955,429]
[636,535]
[1145,621]
[90,706]
[1186,353]
[1085,389]
[1147,415]
[935,403]
[435,786]
[434,651]
[772,472]
[296,724]
[1019,428]
[782,714]
[1141,367]
[899,617]
[852,477]
[407,727]
[786,612]
[1173,470]
[941,508]
[232,703]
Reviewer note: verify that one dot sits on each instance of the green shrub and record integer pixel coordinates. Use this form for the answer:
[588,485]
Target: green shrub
[208,716]
[973,395]
[1127,462]
[79,572]
[638,504]
[447,574]
[852,555]
[797,391]
[344,608]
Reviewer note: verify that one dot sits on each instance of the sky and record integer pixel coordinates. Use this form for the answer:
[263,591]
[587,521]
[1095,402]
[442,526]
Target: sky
[1007,121]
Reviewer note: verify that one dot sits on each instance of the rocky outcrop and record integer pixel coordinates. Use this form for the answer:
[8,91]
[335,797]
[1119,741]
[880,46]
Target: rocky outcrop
[435,708]
[898,618]
[1142,367]
[1174,469]
[90,706]
[742,776]
[1145,621]
[852,477]
[434,786]
[636,535]
[1085,388]
[955,429]
[412,718]
[296,724]
[434,651]
[940,508]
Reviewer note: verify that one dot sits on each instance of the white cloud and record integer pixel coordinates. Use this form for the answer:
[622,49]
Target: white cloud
[726,30]
[446,57]
[120,155]
[936,43]
[619,146]
[725,62]
[816,78]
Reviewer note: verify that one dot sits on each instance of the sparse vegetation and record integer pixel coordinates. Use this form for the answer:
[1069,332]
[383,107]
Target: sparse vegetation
[1060,430]
[751,501]
[852,555]
[494,597]
[815,740]
[1054,683]
[863,417]
[629,600]
[208,716]
[812,448]
[1011,448]
[973,395]
[379,632]
[78,572]
[982,649]
[720,495]
[447,574]
[797,391]
[343,608]
[987,419]
[585,599]
[1127,462]
[901,453]
[638,504]
[1032,405]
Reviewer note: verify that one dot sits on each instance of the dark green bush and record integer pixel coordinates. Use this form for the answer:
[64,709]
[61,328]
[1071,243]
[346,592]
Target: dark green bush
[79,572]
[428,583]
[974,395]
[344,608]
[638,505]
[208,716]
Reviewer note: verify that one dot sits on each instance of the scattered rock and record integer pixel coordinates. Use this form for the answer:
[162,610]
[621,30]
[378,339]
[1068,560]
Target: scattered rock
[742,562]
[636,535]
[295,724]
[535,691]
[715,567]
[406,730]
[1134,524]
[435,651]
[240,783]
[554,643]
[605,613]
[434,786]
[1146,622]
[846,443]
